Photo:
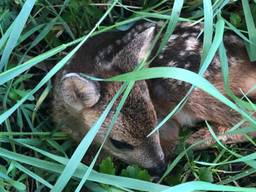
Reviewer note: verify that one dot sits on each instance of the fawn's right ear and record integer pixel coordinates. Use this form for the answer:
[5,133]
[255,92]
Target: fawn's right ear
[78,92]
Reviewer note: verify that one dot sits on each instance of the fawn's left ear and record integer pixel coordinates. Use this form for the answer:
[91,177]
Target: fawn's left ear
[136,50]
[78,92]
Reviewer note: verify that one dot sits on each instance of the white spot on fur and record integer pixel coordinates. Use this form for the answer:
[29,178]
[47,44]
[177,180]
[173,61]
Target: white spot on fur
[101,54]
[179,82]
[194,34]
[173,37]
[184,118]
[103,64]
[191,44]
[107,66]
[172,64]
[197,26]
[109,49]
[186,24]
[161,56]
[223,138]
[235,60]
[182,53]
[187,65]
[165,47]
[185,35]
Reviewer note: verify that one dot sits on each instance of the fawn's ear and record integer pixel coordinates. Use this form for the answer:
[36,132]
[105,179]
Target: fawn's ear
[136,49]
[78,92]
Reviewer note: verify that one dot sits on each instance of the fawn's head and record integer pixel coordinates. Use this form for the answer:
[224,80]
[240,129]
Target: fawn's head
[80,101]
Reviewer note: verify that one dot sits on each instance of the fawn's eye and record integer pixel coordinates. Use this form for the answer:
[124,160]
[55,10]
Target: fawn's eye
[121,144]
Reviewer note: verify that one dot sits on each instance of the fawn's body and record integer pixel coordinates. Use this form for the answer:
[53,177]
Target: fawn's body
[78,102]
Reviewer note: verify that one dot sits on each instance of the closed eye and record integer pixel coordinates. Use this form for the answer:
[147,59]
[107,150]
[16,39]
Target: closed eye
[121,144]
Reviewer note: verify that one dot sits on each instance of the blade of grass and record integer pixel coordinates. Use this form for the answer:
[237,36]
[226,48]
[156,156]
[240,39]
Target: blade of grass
[249,159]
[251,48]
[57,134]
[33,175]
[17,28]
[208,28]
[200,185]
[177,6]
[5,37]
[238,176]
[30,32]
[237,31]
[14,72]
[48,27]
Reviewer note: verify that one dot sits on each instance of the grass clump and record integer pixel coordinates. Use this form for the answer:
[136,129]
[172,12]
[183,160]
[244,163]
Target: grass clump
[38,38]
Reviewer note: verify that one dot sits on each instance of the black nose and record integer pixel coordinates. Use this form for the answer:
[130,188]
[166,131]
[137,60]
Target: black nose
[158,170]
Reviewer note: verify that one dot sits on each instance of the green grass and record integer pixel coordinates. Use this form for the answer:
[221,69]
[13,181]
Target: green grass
[39,37]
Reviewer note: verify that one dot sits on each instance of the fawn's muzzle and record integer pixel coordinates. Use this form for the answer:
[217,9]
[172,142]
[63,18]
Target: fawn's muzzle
[159,169]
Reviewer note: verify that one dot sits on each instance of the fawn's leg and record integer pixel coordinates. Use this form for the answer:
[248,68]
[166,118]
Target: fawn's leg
[222,135]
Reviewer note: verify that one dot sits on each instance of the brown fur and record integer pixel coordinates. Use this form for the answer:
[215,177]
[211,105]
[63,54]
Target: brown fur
[78,102]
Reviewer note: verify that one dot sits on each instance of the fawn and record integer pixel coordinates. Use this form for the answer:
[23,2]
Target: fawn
[78,101]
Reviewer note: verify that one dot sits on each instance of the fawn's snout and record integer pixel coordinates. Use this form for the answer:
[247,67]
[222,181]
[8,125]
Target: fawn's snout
[159,169]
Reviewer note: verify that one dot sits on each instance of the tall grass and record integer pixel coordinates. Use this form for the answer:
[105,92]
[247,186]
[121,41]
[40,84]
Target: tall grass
[35,36]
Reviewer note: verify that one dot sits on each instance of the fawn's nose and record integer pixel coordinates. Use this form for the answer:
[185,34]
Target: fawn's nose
[159,169]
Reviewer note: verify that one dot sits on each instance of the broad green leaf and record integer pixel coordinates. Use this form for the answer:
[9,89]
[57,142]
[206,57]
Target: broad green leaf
[107,166]
[135,172]
[205,174]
